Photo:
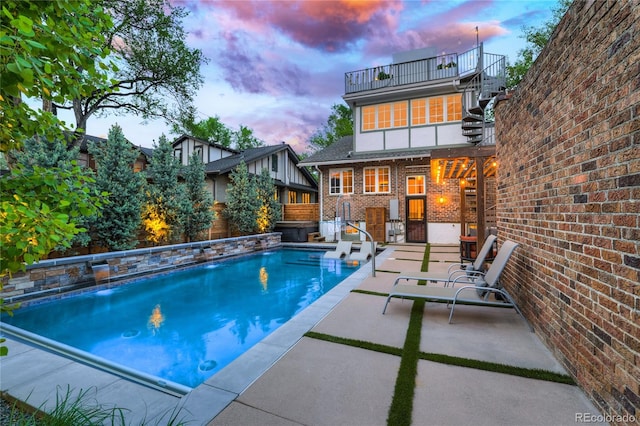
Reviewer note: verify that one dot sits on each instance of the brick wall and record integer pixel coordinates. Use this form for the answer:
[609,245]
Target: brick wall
[446,212]
[568,142]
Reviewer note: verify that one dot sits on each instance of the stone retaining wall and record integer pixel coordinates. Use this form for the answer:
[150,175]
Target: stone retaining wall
[58,275]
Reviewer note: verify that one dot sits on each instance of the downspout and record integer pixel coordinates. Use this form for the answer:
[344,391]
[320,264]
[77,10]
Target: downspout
[319,195]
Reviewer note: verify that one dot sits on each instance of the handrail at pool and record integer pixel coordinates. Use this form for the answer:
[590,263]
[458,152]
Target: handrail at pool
[155,382]
[373,248]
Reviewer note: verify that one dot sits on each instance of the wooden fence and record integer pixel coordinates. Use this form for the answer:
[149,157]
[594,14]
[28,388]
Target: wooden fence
[301,212]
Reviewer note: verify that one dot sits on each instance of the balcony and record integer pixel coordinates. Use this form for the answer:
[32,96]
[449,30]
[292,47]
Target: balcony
[448,66]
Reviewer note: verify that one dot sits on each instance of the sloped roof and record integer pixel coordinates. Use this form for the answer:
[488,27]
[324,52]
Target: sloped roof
[86,139]
[227,164]
[180,139]
[341,152]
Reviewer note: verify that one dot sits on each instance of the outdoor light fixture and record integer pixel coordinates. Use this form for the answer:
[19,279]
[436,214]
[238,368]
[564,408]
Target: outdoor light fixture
[441,199]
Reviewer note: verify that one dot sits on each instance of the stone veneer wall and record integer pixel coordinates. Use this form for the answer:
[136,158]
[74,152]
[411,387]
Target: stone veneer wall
[56,275]
[568,143]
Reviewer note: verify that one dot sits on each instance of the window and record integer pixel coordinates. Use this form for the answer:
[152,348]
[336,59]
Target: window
[376,180]
[340,181]
[368,118]
[454,107]
[418,112]
[400,114]
[198,150]
[306,198]
[416,185]
[384,116]
[436,110]
[274,163]
[177,153]
[293,197]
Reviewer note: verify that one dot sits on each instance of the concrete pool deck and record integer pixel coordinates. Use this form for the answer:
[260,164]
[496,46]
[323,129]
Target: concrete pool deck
[289,379]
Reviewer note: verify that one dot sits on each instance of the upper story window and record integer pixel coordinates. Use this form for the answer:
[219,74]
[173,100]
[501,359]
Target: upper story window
[385,116]
[198,150]
[177,153]
[306,198]
[454,108]
[274,163]
[340,181]
[293,197]
[400,114]
[376,180]
[418,112]
[368,117]
[416,185]
[438,109]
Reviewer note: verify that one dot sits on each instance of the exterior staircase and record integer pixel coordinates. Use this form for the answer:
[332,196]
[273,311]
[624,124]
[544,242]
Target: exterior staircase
[479,90]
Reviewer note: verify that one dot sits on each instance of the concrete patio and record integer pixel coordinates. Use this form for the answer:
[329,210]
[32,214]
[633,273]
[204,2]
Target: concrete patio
[289,379]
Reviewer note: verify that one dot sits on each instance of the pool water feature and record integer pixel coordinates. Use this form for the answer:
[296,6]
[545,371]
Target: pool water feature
[185,326]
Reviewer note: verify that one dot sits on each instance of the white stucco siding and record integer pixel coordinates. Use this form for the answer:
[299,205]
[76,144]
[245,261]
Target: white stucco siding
[450,134]
[396,139]
[423,136]
[370,141]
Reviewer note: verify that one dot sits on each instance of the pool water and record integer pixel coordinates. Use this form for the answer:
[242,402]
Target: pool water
[187,325]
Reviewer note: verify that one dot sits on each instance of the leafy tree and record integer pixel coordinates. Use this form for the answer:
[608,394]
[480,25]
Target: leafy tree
[242,201]
[54,50]
[148,41]
[339,124]
[197,213]
[48,50]
[161,213]
[117,228]
[270,210]
[537,38]
[210,129]
[245,139]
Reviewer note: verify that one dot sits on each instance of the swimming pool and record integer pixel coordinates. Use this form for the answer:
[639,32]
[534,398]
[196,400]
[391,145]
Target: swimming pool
[185,326]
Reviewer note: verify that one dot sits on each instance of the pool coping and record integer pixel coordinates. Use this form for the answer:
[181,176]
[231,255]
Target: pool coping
[209,398]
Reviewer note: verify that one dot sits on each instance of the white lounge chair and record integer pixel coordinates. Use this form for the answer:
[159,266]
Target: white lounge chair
[342,249]
[365,251]
[474,292]
[471,270]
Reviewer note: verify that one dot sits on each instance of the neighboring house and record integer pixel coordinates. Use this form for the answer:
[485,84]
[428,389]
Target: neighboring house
[295,185]
[409,172]
[86,160]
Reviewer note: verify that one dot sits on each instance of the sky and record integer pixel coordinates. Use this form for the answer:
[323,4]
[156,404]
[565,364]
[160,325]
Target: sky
[277,67]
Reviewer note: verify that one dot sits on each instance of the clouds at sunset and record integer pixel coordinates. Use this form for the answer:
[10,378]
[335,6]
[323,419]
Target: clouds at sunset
[278,66]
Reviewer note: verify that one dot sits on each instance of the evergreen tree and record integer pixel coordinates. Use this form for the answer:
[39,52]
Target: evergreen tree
[197,214]
[164,196]
[39,152]
[242,201]
[270,210]
[117,228]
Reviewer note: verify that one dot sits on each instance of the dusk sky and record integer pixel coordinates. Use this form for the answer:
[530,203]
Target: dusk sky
[277,67]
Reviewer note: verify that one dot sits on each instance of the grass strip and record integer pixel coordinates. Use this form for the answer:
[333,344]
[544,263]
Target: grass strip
[355,343]
[529,373]
[425,258]
[372,293]
[402,402]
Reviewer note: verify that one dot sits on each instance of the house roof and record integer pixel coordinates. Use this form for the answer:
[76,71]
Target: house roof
[227,164]
[86,139]
[182,138]
[341,152]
